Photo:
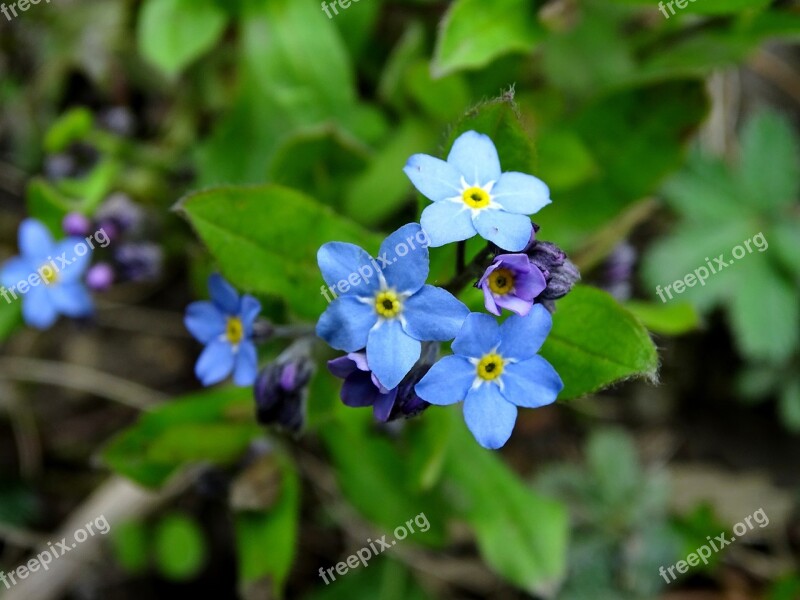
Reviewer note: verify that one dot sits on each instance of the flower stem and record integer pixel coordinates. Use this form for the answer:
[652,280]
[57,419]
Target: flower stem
[469,272]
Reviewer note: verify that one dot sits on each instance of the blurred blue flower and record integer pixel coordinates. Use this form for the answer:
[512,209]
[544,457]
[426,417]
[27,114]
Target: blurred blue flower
[225,326]
[471,195]
[511,282]
[494,370]
[52,274]
[386,308]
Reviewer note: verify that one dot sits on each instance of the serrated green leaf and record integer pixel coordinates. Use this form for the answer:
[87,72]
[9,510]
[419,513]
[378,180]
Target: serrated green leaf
[265,239]
[596,342]
[475,32]
[173,33]
[500,120]
[764,312]
[770,161]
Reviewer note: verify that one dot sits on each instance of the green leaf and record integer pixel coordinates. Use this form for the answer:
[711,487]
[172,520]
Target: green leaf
[521,535]
[376,478]
[173,33]
[596,342]
[149,453]
[442,99]
[383,178]
[770,161]
[699,6]
[179,546]
[564,160]
[500,120]
[475,32]
[668,319]
[72,126]
[266,541]
[764,312]
[689,251]
[384,580]
[266,238]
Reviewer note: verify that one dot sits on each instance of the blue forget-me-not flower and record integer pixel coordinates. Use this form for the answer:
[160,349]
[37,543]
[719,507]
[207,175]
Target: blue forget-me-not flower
[390,311]
[225,326]
[471,195]
[495,369]
[48,288]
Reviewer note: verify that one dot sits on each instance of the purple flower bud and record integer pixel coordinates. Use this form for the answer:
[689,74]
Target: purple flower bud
[511,282]
[76,224]
[119,120]
[280,391]
[140,261]
[100,277]
[560,273]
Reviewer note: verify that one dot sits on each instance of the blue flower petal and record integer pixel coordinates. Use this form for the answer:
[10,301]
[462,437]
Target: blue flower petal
[489,417]
[15,270]
[249,311]
[531,383]
[391,353]
[521,193]
[475,156]
[204,321]
[77,265]
[382,409]
[434,178]
[215,363]
[71,299]
[408,258]
[524,336]
[358,390]
[346,323]
[38,309]
[507,230]
[223,294]
[246,369]
[35,241]
[338,261]
[447,222]
[448,381]
[434,315]
[479,335]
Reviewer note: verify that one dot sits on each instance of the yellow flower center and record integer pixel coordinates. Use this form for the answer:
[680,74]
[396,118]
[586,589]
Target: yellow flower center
[234,330]
[501,281]
[387,304]
[476,197]
[49,275]
[490,366]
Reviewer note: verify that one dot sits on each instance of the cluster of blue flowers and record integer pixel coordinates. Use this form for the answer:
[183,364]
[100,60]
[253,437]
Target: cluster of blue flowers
[384,324]
[391,325]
